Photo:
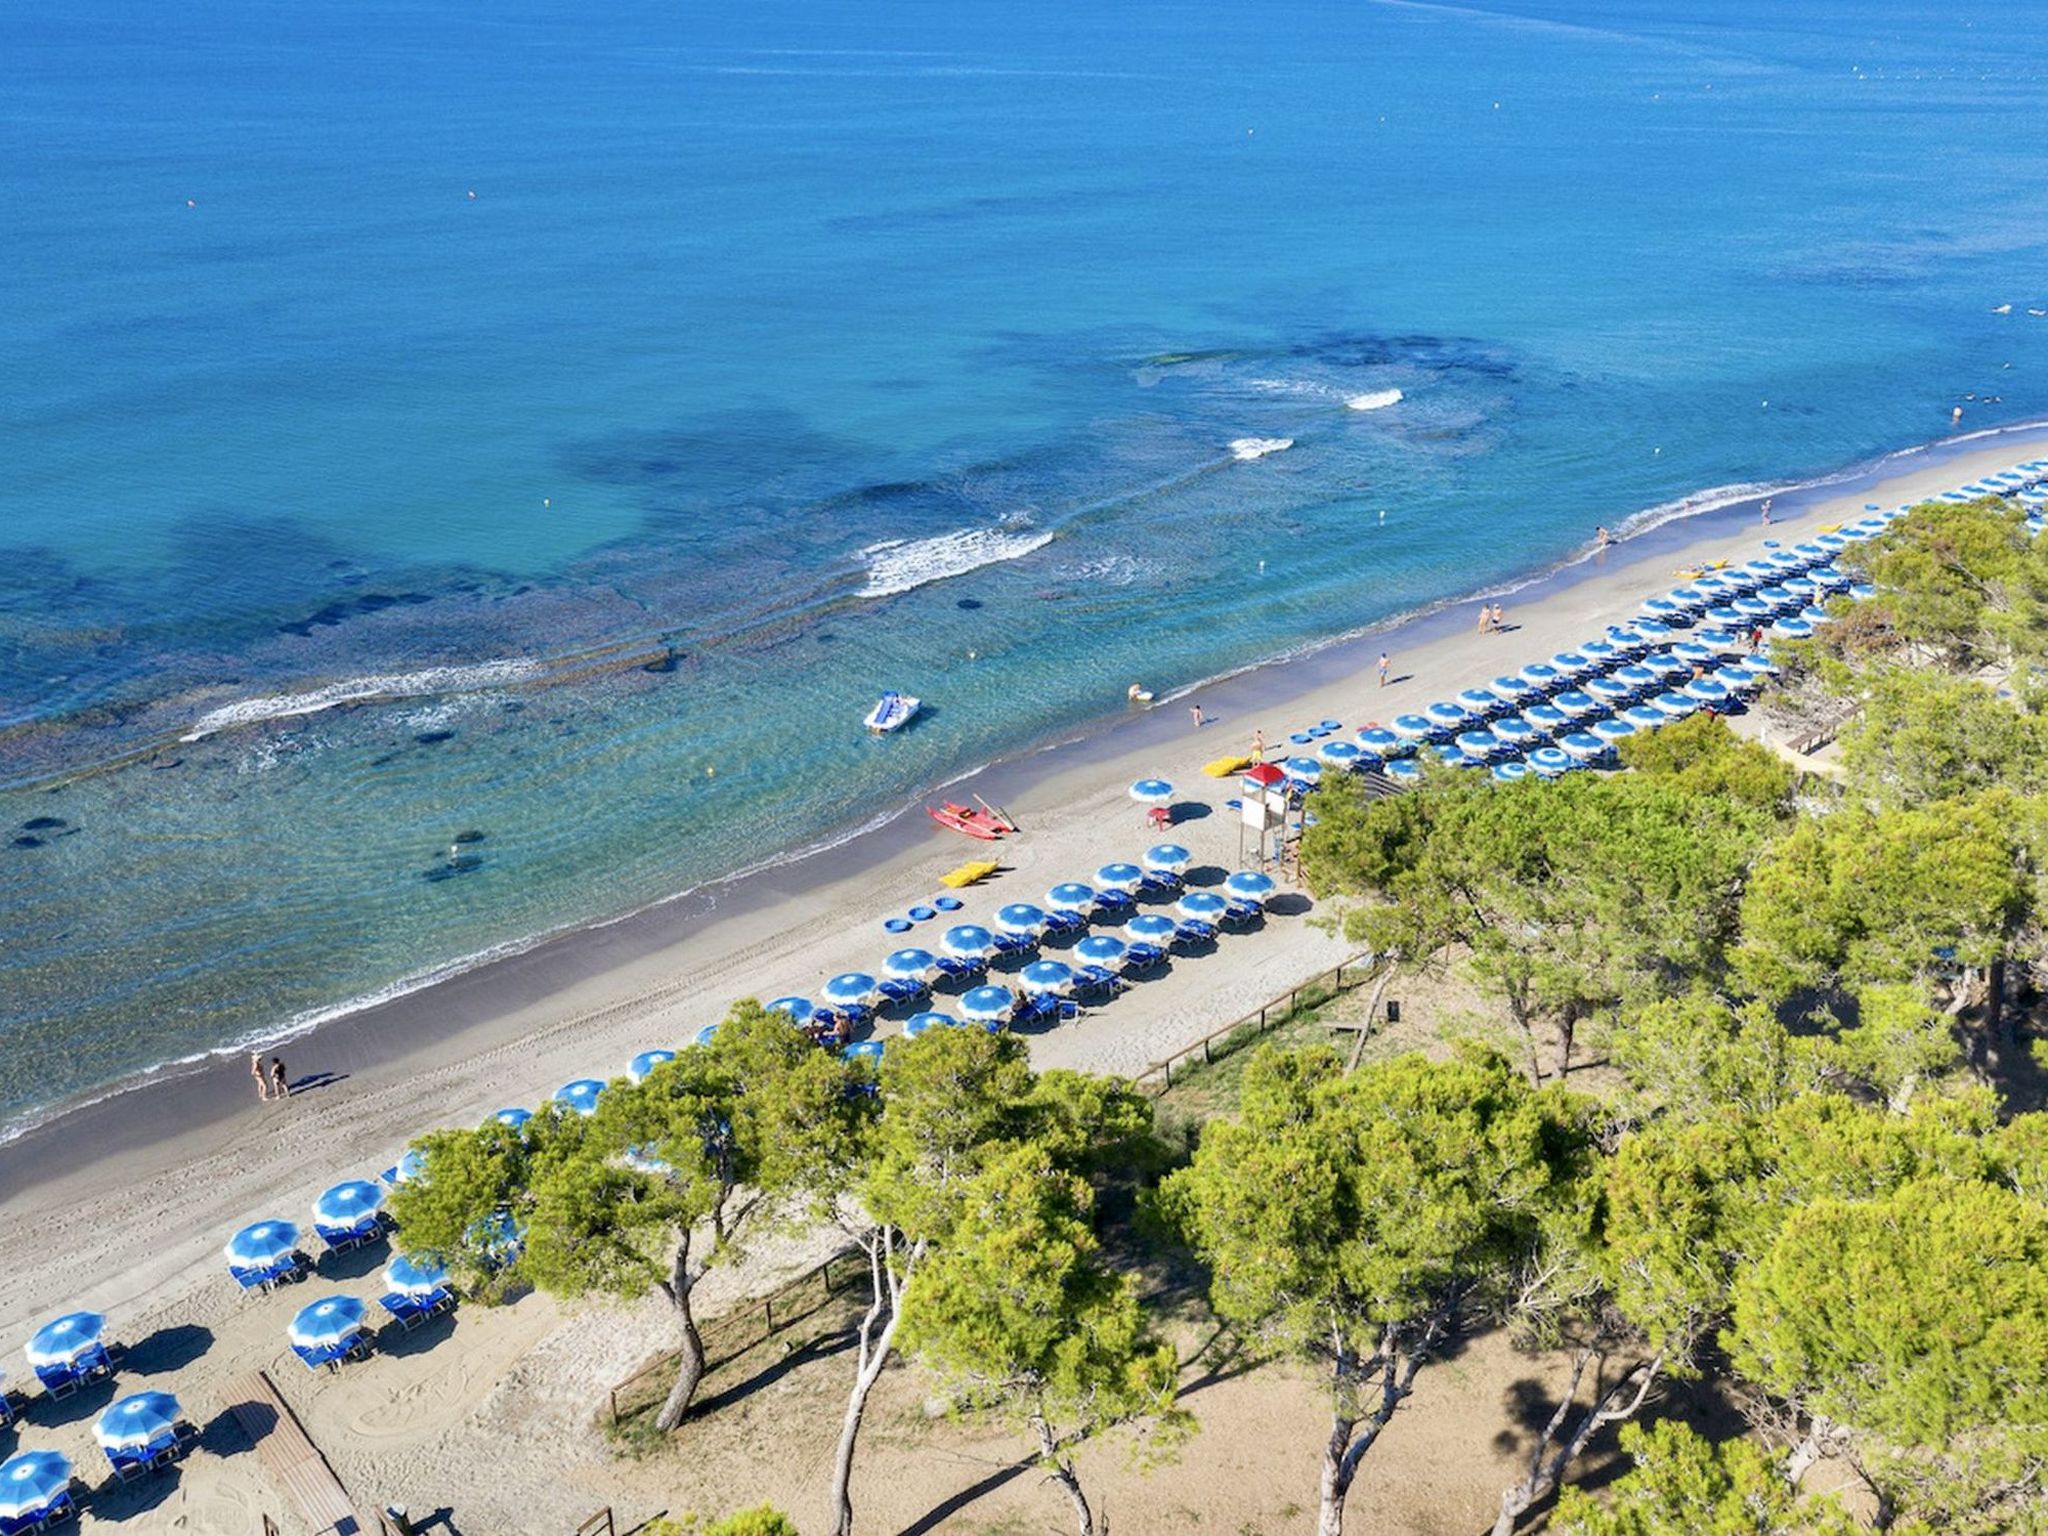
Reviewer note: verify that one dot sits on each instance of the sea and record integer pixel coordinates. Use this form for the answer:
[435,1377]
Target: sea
[465,471]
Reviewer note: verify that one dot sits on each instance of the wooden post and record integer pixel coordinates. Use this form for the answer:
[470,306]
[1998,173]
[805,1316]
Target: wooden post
[768,1315]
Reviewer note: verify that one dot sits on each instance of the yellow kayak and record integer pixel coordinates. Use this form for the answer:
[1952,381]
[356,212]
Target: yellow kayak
[1224,767]
[967,874]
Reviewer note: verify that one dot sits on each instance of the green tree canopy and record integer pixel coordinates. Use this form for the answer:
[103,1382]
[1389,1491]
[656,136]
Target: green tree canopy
[1701,756]
[1681,1482]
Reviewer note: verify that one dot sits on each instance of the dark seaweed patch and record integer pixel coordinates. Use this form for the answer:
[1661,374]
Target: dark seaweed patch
[472,835]
[44,824]
[28,842]
[969,603]
[428,738]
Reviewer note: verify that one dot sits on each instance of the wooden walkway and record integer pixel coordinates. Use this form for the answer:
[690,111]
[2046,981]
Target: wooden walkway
[293,1460]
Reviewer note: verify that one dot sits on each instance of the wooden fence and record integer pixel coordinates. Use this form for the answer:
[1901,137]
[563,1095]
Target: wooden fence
[1352,973]
[738,1331]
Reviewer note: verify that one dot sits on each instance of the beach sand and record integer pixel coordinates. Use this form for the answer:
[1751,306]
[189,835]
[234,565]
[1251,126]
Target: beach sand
[123,1206]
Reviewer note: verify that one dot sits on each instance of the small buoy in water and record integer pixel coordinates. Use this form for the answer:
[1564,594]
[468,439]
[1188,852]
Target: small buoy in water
[1656,450]
[191,202]
[547,501]
[1262,567]
[710,772]
[1383,514]
[974,656]
[472,194]
[1767,405]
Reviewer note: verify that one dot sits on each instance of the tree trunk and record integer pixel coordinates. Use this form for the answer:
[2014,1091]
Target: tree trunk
[1336,1477]
[1528,1028]
[1547,1472]
[1996,1033]
[1371,1007]
[1061,1471]
[874,1354]
[690,1369]
[1567,1027]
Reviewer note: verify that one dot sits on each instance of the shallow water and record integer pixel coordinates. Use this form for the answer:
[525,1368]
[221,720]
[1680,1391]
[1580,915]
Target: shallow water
[790,352]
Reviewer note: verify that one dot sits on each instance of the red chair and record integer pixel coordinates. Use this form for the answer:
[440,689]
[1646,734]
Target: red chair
[1160,816]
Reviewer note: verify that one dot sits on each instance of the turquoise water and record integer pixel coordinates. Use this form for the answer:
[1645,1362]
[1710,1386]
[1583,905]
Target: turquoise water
[792,351]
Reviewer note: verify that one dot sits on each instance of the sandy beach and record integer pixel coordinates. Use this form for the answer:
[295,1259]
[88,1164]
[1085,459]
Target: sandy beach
[122,1206]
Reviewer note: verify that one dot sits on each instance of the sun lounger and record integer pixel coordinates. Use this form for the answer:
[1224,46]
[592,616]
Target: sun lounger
[355,1347]
[1160,883]
[63,1380]
[412,1311]
[1143,957]
[902,989]
[342,1239]
[1193,931]
[1061,923]
[294,1267]
[61,1509]
[1014,944]
[1240,914]
[954,968]
[1043,1008]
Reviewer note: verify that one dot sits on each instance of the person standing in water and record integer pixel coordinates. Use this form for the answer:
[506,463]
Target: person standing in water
[262,1078]
[1600,537]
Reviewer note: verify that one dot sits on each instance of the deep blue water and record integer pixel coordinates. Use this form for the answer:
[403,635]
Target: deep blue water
[743,294]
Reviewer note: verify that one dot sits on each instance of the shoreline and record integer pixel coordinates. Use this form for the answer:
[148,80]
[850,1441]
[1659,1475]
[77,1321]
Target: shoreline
[121,1205]
[583,950]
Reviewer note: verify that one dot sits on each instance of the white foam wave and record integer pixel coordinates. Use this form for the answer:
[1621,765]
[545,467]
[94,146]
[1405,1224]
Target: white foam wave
[901,565]
[1245,449]
[356,690]
[1374,400]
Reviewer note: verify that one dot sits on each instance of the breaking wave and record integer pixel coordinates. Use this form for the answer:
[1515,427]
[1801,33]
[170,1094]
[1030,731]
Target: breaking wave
[896,566]
[1246,449]
[1376,400]
[358,690]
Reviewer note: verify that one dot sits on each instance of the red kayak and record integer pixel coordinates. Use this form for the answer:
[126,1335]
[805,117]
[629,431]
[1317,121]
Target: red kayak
[983,824]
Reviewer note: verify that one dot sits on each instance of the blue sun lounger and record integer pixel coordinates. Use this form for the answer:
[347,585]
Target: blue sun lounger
[1012,945]
[953,968]
[1161,882]
[411,1311]
[342,1239]
[1062,923]
[130,1464]
[902,990]
[1240,914]
[330,1357]
[263,1277]
[54,1514]
[1114,905]
[1193,931]
[63,1380]
[1142,957]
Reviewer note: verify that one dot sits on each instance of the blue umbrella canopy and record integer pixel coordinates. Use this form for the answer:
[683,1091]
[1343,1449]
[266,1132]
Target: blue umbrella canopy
[1541,674]
[1644,718]
[1119,877]
[1251,884]
[1652,631]
[799,1009]
[31,1481]
[581,1095]
[1152,791]
[918,1023]
[497,1238]
[1611,730]
[1071,896]
[1047,976]
[350,1204]
[1608,688]
[1510,688]
[1306,769]
[1443,712]
[262,1244]
[1635,676]
[862,1050]
[1624,638]
[1706,690]
[911,964]
[1514,731]
[1378,739]
[643,1065]
[324,1323]
[1571,663]
[849,987]
[514,1118]
[1693,650]
[967,941]
[1582,745]
[412,1165]
[1341,753]
[1202,905]
[415,1274]
[1168,856]
[1102,949]
[1020,917]
[1150,927]
[987,1004]
[1574,701]
[1600,652]
[1411,726]
[1406,770]
[137,1421]
[63,1340]
[1507,773]
[1550,761]
[1480,743]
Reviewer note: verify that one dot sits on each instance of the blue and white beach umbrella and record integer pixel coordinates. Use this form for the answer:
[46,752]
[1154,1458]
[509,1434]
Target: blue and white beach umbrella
[1541,674]
[1728,618]
[411,1166]
[1047,976]
[1152,792]
[1706,690]
[910,964]
[1510,690]
[987,1005]
[1660,608]
[1249,885]
[1792,629]
[1694,650]
[1020,917]
[1070,896]
[1549,762]
[1451,757]
[1575,702]
[1305,770]
[1544,719]
[1609,690]
[799,1009]
[1652,631]
[1379,741]
[1339,754]
[513,1118]
[32,1481]
[65,1340]
[1203,906]
[1406,771]
[1644,718]
[1600,652]
[1611,731]
[1625,640]
[1719,641]
[1477,701]
[327,1322]
[1168,858]
[918,1023]
[1102,949]
[1635,676]
[581,1095]
[1676,705]
[415,1274]
[864,1050]
[1665,664]
[1412,727]
[1149,928]
[1480,743]
[1515,731]
[1119,877]
[641,1066]
[138,1422]
[497,1238]
[262,1245]
[850,989]
[1447,715]
[1507,773]
[967,941]
[350,1205]
[1582,746]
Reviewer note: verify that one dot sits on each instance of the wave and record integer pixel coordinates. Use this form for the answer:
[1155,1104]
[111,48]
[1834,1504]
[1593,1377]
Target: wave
[1245,449]
[901,565]
[357,690]
[1376,400]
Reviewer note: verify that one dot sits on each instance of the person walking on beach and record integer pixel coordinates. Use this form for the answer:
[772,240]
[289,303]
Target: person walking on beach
[262,1080]
[1767,511]
[1258,746]
[1383,669]
[280,1084]
[1485,618]
[1500,619]
[1195,710]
